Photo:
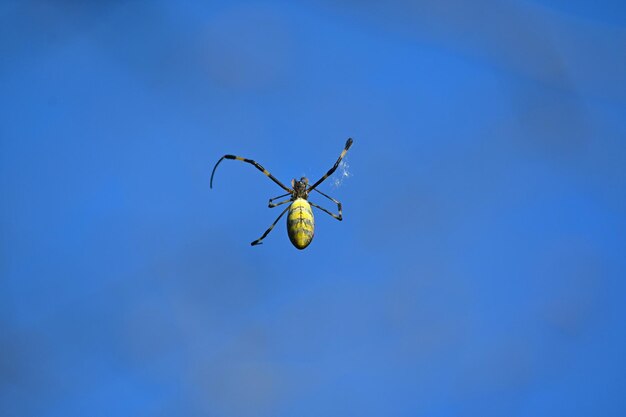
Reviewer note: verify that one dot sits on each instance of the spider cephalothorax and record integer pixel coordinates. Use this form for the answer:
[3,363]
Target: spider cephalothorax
[299,188]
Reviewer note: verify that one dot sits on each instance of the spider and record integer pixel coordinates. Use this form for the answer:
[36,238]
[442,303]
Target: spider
[300,221]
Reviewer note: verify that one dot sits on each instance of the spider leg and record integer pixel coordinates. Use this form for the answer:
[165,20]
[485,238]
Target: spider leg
[258,241]
[339,216]
[334,168]
[280,203]
[271,202]
[249,161]
[336,216]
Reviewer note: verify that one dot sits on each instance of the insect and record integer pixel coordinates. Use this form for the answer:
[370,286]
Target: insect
[300,221]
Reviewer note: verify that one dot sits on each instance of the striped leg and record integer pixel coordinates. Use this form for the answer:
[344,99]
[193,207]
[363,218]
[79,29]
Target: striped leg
[250,161]
[339,216]
[280,203]
[271,202]
[258,241]
[334,168]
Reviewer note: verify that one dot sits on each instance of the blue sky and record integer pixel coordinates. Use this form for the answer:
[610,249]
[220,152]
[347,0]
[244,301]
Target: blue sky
[479,269]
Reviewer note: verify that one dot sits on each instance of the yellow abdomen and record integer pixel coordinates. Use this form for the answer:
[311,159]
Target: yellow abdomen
[300,223]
